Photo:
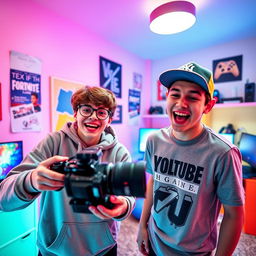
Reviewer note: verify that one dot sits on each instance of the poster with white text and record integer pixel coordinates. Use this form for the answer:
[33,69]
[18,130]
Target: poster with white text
[134,103]
[111,76]
[25,91]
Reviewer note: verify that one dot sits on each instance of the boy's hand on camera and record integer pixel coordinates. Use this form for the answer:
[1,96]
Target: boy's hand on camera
[42,178]
[119,209]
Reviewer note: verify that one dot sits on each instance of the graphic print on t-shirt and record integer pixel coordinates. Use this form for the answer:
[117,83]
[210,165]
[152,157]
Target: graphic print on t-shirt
[180,183]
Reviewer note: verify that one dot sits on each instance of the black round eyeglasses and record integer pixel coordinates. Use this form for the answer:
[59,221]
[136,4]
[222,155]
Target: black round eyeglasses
[87,110]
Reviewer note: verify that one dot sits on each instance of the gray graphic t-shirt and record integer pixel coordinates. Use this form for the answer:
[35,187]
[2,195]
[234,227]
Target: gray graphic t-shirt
[191,181]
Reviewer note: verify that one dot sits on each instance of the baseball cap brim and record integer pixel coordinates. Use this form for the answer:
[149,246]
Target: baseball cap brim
[168,77]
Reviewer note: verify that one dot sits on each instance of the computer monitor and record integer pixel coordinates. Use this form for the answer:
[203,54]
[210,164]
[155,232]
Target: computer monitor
[143,136]
[247,146]
[229,136]
[11,154]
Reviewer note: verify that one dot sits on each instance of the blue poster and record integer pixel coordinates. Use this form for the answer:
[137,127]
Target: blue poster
[134,103]
[25,85]
[118,116]
[111,76]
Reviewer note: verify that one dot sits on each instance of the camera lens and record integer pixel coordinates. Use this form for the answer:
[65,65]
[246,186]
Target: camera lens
[127,179]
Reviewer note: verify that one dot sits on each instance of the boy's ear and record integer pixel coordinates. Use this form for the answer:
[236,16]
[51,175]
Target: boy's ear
[209,105]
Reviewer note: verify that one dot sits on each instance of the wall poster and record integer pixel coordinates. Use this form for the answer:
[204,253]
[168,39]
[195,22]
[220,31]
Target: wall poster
[228,69]
[133,103]
[25,86]
[161,91]
[118,116]
[111,76]
[61,108]
[137,81]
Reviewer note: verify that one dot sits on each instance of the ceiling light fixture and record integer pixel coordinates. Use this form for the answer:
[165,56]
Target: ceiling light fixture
[172,17]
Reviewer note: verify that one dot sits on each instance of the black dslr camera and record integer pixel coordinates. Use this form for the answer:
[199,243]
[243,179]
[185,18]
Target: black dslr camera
[89,182]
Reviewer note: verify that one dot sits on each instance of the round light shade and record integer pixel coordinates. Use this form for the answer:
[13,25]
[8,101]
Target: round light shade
[172,17]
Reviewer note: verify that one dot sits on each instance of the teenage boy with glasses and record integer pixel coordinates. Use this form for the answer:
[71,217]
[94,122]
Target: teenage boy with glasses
[61,231]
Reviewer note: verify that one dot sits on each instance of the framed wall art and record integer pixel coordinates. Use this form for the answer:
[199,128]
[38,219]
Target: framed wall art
[118,116]
[111,76]
[161,91]
[61,108]
[137,81]
[228,69]
[134,103]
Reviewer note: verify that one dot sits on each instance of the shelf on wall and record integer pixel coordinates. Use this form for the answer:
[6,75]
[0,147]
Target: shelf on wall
[228,105]
[218,105]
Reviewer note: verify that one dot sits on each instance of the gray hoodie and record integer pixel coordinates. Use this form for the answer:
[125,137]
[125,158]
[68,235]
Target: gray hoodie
[60,230]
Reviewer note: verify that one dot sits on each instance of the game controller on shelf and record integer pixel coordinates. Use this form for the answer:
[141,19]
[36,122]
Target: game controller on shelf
[226,67]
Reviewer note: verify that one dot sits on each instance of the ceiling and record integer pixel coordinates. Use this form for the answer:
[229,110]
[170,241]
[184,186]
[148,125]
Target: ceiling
[126,23]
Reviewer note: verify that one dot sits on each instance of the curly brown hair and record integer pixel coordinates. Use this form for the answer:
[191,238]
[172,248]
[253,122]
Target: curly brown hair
[97,96]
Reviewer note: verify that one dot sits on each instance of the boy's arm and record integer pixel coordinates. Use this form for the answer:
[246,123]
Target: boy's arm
[142,238]
[230,230]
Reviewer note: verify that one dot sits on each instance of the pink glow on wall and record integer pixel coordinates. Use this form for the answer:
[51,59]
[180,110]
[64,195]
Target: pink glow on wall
[67,51]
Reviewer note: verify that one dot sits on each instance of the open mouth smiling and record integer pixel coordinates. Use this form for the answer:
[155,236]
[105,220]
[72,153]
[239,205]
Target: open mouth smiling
[94,126]
[180,116]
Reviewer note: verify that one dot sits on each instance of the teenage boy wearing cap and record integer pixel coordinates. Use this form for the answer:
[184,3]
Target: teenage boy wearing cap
[193,171]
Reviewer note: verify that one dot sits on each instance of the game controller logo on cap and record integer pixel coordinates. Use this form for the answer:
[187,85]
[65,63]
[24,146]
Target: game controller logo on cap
[191,72]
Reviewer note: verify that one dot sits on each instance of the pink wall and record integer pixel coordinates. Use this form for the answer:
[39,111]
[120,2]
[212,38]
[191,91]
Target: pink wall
[67,51]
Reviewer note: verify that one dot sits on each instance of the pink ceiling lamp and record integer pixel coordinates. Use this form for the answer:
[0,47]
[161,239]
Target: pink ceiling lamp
[172,17]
